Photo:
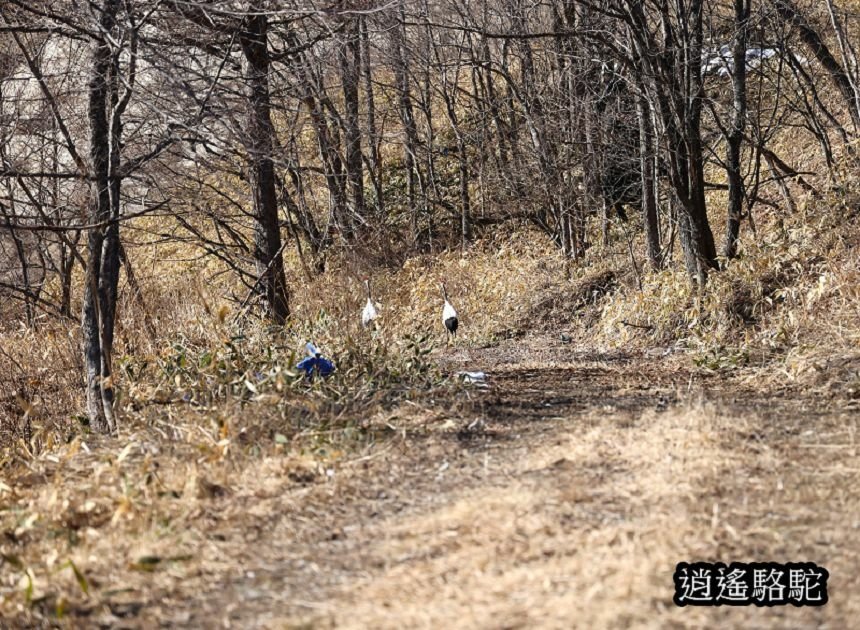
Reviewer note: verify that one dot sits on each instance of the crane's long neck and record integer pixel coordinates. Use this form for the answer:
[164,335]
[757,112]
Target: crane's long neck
[444,293]
[367,285]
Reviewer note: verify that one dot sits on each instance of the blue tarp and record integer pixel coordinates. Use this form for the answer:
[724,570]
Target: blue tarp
[315,364]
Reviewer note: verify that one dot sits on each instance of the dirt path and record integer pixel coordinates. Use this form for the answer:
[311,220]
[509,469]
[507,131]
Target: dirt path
[560,496]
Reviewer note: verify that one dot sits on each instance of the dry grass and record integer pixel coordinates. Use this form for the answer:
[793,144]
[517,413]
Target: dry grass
[584,480]
[591,519]
[391,495]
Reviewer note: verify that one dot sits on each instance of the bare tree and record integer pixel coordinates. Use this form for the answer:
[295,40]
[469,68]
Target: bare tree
[252,30]
[734,138]
[267,235]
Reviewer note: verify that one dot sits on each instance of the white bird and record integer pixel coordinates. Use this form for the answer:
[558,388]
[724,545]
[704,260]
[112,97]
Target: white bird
[449,315]
[369,314]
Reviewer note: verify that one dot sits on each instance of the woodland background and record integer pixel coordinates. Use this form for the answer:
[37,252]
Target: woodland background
[191,189]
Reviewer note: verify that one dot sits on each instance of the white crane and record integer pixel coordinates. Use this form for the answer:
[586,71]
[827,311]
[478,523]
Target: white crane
[369,314]
[449,315]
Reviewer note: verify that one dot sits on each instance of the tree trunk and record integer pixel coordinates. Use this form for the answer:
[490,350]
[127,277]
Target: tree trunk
[372,134]
[675,73]
[648,175]
[736,132]
[98,274]
[462,156]
[407,117]
[706,247]
[272,284]
[350,64]
[688,243]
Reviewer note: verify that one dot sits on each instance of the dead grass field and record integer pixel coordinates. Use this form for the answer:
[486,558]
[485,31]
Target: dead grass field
[672,426]
[560,496]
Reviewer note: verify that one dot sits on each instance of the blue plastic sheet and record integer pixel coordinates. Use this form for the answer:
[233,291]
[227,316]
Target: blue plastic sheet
[316,366]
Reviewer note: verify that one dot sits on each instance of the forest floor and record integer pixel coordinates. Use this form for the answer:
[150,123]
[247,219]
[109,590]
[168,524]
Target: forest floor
[561,495]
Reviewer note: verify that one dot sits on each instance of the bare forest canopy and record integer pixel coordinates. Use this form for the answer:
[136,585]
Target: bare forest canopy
[247,130]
